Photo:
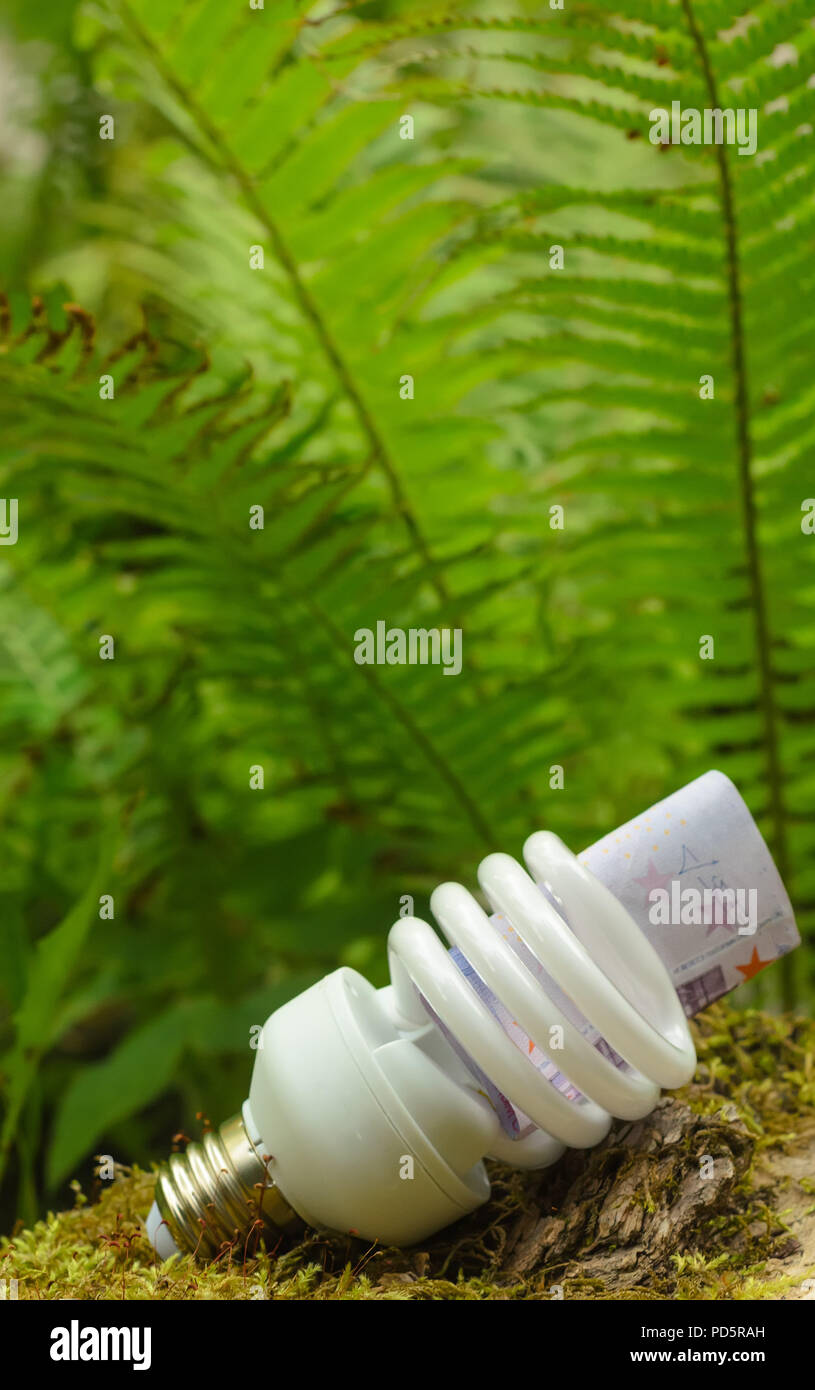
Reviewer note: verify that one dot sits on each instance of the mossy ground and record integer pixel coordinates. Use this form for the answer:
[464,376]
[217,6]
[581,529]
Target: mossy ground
[752,1235]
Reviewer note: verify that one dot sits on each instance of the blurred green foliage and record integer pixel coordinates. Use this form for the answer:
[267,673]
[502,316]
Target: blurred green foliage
[534,386]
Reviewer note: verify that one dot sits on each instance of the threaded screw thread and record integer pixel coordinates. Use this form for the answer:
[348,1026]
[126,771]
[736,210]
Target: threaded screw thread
[217,1190]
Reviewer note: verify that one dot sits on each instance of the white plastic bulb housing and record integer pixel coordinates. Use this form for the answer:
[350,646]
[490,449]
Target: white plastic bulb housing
[371,1111]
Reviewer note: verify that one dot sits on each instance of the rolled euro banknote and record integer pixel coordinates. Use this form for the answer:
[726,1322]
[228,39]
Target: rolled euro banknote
[697,878]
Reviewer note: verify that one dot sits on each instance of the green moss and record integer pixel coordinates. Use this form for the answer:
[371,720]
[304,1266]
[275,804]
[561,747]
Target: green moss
[762,1069]
[763,1065]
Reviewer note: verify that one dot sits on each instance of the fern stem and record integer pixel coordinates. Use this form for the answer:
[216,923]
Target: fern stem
[761,624]
[378,453]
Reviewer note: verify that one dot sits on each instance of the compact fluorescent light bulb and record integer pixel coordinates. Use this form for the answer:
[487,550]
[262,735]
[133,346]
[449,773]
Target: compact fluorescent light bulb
[366,1111]
[370,1111]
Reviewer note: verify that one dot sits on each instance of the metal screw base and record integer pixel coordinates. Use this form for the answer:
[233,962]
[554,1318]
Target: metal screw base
[211,1195]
